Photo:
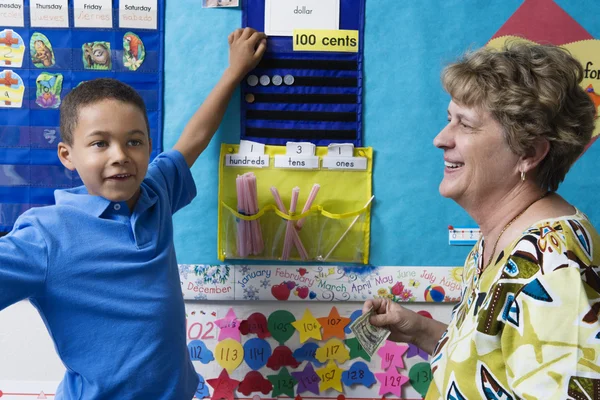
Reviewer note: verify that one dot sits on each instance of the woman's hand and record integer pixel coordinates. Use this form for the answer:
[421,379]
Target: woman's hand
[405,325]
[246,48]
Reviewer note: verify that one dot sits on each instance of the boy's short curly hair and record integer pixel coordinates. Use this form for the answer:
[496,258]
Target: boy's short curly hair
[532,91]
[91,92]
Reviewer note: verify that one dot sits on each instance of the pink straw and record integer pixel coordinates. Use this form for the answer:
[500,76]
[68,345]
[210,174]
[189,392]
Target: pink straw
[295,237]
[308,204]
[287,244]
[241,227]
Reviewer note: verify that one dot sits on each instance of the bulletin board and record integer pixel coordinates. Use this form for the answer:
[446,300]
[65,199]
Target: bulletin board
[405,47]
[47,48]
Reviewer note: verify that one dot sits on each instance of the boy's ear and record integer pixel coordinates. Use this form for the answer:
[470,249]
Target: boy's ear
[64,155]
[149,145]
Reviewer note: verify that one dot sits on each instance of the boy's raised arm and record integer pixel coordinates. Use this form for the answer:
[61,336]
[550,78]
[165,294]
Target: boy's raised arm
[246,48]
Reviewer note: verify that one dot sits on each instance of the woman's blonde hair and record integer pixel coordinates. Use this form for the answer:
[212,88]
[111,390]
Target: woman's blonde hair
[533,92]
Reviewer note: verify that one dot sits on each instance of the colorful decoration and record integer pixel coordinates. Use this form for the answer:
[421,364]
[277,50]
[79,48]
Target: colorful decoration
[48,89]
[334,349]
[199,352]
[331,377]
[254,382]
[358,374]
[414,351]
[282,356]
[12,49]
[283,383]
[334,324]
[229,354]
[435,293]
[96,55]
[356,350]
[256,323]
[308,380]
[202,389]
[40,49]
[256,353]
[12,89]
[308,327]
[391,355]
[391,382]
[224,387]
[307,352]
[420,377]
[229,326]
[134,51]
[280,325]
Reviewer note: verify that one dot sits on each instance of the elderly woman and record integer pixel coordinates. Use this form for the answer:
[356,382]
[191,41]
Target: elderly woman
[527,325]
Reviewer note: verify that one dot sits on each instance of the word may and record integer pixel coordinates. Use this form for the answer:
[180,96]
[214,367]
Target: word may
[384,280]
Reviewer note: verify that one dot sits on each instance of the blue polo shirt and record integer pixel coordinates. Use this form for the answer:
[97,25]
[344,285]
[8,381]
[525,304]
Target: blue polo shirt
[107,286]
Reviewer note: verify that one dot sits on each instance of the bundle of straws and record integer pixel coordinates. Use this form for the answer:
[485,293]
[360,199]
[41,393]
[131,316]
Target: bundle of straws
[292,227]
[249,235]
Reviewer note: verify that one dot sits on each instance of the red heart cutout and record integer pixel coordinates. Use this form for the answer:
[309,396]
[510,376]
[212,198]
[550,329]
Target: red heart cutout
[302,292]
[280,292]
[302,271]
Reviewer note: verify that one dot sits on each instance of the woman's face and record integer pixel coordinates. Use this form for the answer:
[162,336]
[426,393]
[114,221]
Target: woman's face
[478,164]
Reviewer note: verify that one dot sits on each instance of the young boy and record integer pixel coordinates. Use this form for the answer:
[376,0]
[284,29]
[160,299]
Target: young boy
[100,265]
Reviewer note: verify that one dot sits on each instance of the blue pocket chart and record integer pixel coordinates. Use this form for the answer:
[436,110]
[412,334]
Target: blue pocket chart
[47,48]
[304,96]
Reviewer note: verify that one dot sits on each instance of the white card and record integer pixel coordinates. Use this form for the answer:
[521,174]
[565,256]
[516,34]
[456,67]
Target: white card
[11,13]
[283,16]
[92,14]
[49,13]
[140,14]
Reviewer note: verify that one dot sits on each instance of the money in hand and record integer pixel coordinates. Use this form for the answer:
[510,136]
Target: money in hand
[369,336]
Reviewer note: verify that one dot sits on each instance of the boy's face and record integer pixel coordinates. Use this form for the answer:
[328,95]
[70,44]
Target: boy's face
[110,151]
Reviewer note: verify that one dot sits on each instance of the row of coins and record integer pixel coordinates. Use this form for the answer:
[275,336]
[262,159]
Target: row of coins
[265,80]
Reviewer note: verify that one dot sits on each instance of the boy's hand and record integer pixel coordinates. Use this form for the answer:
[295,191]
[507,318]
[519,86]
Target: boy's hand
[246,48]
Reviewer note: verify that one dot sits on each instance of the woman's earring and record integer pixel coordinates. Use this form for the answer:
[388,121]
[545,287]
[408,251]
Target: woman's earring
[522,176]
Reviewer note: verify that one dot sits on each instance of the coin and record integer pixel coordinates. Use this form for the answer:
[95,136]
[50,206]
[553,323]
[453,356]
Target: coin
[288,80]
[252,80]
[249,98]
[277,80]
[265,80]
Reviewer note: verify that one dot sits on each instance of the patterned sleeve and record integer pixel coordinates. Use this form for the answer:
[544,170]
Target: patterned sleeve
[551,339]
[23,263]
[170,172]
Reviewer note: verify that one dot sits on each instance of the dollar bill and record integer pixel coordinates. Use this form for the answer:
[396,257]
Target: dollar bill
[369,336]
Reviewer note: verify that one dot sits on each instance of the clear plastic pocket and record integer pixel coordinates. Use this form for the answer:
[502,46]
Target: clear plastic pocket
[314,236]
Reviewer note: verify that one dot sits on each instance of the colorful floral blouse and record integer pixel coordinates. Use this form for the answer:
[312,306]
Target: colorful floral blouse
[527,328]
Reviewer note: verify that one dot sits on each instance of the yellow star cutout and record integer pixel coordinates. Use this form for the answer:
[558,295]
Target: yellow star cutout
[308,327]
[331,377]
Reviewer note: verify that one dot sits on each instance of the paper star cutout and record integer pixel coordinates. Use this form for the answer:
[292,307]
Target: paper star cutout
[229,326]
[391,382]
[334,349]
[283,383]
[391,355]
[308,380]
[333,325]
[331,377]
[223,386]
[356,350]
[308,327]
[414,351]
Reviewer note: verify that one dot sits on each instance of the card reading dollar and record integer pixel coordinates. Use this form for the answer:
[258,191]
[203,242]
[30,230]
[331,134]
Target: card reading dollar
[369,336]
